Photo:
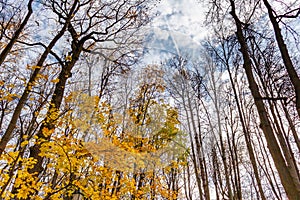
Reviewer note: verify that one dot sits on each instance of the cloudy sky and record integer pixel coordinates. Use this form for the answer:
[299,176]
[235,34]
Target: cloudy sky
[185,16]
[179,26]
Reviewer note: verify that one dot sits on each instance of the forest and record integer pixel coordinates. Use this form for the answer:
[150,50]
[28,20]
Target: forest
[83,116]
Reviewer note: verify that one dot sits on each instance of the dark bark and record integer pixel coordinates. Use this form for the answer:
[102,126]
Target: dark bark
[288,181]
[16,35]
[48,123]
[17,111]
[247,138]
[285,55]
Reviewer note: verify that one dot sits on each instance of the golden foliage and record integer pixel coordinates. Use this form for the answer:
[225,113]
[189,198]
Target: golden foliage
[90,152]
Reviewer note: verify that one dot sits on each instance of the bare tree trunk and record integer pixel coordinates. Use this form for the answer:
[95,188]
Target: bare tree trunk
[292,126]
[198,147]
[266,166]
[188,192]
[16,35]
[247,138]
[216,102]
[194,159]
[216,172]
[48,123]
[290,184]
[285,56]
[278,127]
[17,111]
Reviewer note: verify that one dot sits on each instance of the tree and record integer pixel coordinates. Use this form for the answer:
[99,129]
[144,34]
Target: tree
[286,177]
[284,51]
[81,26]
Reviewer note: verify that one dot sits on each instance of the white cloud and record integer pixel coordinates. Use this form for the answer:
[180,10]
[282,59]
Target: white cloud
[182,20]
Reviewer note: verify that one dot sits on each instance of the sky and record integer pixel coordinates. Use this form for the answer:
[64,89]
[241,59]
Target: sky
[184,16]
[178,27]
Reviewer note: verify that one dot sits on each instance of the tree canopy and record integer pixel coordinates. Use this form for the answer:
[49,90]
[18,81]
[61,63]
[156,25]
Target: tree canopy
[85,115]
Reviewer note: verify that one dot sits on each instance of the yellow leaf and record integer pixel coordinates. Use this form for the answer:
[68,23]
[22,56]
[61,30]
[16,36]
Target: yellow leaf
[69,58]
[55,80]
[24,143]
[33,67]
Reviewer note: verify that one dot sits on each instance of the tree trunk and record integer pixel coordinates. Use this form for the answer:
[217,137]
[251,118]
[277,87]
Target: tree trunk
[289,183]
[14,38]
[247,138]
[285,55]
[17,111]
[48,123]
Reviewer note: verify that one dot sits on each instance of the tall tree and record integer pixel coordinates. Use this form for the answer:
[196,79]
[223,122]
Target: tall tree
[283,48]
[289,182]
